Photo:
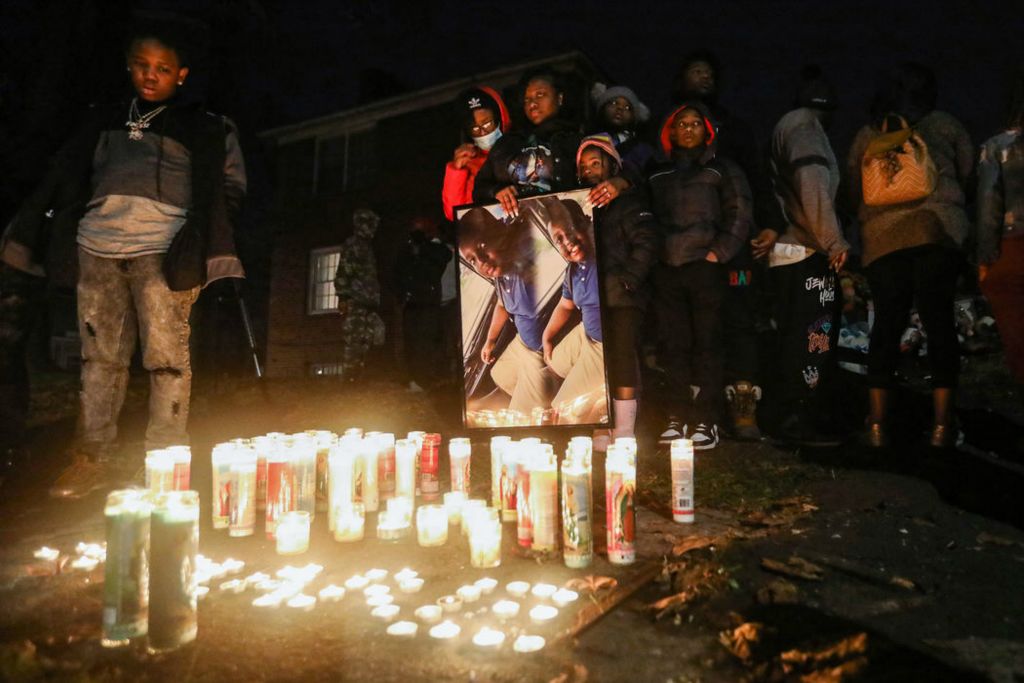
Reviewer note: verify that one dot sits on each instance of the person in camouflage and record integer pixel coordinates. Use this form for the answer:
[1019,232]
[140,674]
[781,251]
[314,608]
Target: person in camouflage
[359,293]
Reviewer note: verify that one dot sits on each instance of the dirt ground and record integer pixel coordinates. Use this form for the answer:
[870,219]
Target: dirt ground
[803,566]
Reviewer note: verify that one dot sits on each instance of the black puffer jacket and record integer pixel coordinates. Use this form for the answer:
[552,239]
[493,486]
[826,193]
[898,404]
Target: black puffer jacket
[628,243]
[703,203]
[561,137]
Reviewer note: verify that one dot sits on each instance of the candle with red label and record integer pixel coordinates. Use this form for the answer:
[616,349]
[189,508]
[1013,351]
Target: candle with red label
[430,467]
[459,452]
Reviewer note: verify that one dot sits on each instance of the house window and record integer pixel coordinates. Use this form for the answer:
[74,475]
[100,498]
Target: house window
[345,162]
[326,369]
[323,264]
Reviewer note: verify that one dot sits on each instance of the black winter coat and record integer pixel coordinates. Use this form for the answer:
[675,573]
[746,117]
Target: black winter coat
[560,136]
[628,243]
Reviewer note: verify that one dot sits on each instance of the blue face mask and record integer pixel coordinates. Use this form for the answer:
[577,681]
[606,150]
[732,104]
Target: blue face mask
[485,142]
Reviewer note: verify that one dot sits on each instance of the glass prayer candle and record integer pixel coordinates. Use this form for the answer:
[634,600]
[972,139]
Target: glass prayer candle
[280,487]
[682,480]
[293,533]
[524,517]
[370,490]
[577,513]
[220,473]
[174,540]
[406,456]
[159,471]
[386,465]
[126,574]
[242,517]
[469,509]
[431,525]
[340,478]
[395,522]
[508,481]
[453,502]
[430,466]
[485,539]
[324,440]
[182,467]
[498,444]
[620,488]
[350,522]
[264,445]
[544,503]
[459,457]
[303,457]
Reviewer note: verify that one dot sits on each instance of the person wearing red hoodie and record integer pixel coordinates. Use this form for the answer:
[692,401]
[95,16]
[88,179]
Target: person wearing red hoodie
[484,119]
[703,204]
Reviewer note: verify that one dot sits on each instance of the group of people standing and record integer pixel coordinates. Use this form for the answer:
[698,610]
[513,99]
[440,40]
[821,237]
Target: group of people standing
[693,222]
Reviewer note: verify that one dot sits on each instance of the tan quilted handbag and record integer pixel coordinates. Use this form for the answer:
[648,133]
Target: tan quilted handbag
[897,168]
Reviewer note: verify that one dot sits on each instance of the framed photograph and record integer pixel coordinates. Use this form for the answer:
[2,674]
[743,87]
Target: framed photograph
[529,294]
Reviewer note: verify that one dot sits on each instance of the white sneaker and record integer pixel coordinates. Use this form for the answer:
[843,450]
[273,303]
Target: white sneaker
[705,437]
[675,430]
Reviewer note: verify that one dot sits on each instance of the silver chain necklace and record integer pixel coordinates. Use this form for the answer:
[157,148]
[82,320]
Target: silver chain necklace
[137,122]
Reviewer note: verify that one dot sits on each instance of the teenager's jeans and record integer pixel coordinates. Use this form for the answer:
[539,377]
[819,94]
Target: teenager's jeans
[121,300]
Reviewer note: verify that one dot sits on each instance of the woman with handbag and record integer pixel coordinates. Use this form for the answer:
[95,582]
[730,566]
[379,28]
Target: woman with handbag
[907,174]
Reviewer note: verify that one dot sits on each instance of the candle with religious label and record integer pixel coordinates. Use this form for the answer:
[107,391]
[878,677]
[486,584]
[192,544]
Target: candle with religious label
[293,533]
[498,444]
[174,540]
[485,539]
[341,478]
[544,501]
[220,473]
[406,457]
[417,437]
[682,480]
[508,480]
[159,471]
[242,513]
[350,522]
[280,486]
[126,574]
[620,489]
[430,465]
[459,457]
[524,527]
[371,492]
[182,456]
[431,525]
[262,445]
[386,465]
[303,456]
[324,440]
[577,512]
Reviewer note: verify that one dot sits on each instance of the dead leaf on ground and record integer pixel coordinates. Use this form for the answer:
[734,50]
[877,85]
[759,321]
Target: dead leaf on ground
[694,543]
[578,674]
[856,644]
[778,592]
[837,674]
[991,539]
[796,567]
[673,603]
[592,583]
[740,640]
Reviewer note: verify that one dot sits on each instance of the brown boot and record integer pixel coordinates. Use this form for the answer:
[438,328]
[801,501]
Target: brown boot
[743,397]
[875,434]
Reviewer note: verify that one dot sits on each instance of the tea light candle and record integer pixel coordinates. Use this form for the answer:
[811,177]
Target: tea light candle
[232,566]
[412,585]
[94,550]
[431,525]
[489,638]
[403,629]
[380,600]
[45,553]
[302,602]
[450,603]
[505,609]
[357,583]
[256,577]
[269,601]
[446,630]
[385,612]
[201,592]
[293,533]
[564,596]
[525,644]
[267,585]
[429,614]
[486,585]
[376,574]
[376,589]
[469,593]
[543,590]
[484,538]
[83,563]
[349,522]
[453,502]
[331,593]
[405,574]
[289,589]
[232,586]
[542,614]
[470,508]
[517,589]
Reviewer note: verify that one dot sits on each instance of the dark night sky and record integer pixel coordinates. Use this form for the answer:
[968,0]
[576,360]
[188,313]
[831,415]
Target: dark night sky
[277,61]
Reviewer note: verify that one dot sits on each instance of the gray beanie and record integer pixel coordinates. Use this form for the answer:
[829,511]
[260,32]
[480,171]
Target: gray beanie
[602,95]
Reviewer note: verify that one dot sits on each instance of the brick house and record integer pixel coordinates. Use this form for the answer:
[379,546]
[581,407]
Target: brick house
[388,155]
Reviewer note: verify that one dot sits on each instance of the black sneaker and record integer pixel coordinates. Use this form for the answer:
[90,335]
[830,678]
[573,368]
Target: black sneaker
[675,430]
[705,437]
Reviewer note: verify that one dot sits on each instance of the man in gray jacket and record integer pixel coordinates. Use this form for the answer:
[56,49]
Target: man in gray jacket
[804,260]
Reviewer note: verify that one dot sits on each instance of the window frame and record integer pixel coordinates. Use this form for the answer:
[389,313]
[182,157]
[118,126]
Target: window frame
[312,292]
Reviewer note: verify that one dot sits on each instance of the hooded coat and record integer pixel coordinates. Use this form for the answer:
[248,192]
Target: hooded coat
[702,201]
[557,135]
[459,182]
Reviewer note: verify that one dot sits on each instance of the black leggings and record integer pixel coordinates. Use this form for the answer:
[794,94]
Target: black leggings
[619,333]
[928,276]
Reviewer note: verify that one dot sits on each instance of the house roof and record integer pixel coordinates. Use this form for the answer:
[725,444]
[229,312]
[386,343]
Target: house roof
[365,115]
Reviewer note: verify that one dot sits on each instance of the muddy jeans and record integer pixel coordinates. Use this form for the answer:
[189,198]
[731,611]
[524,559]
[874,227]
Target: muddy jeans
[120,300]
